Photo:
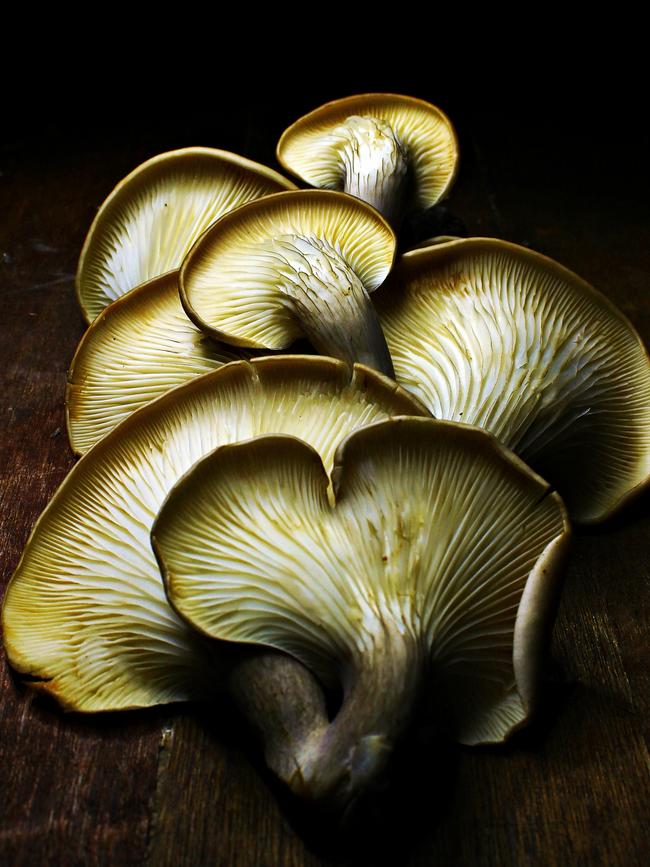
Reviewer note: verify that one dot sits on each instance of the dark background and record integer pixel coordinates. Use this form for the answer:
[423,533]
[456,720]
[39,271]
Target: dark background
[554,154]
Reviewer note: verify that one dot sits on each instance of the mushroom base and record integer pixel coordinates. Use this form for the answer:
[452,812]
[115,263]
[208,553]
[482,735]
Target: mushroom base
[332,762]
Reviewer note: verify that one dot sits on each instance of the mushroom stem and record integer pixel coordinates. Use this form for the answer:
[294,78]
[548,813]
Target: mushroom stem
[378,699]
[374,163]
[329,299]
[354,336]
[331,762]
[284,704]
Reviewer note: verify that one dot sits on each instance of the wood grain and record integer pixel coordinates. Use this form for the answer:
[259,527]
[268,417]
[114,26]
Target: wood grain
[185,786]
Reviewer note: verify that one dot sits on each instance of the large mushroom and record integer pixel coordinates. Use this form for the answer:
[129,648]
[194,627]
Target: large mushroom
[291,265]
[85,614]
[151,219]
[429,569]
[397,153]
[495,335]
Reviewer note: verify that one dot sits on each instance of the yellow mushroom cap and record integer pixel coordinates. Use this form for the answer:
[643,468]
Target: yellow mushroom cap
[441,550]
[290,265]
[311,148]
[495,335]
[151,219]
[139,347]
[85,612]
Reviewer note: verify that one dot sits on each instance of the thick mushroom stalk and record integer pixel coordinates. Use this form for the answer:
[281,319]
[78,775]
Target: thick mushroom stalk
[332,762]
[426,569]
[330,301]
[293,265]
[379,694]
[374,163]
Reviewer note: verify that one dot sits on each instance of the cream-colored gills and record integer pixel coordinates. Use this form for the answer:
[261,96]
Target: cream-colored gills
[86,612]
[151,219]
[291,265]
[495,335]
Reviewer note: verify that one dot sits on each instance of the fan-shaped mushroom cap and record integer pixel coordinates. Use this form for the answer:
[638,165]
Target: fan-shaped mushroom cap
[438,562]
[395,152]
[86,611]
[151,219]
[289,265]
[139,347]
[494,335]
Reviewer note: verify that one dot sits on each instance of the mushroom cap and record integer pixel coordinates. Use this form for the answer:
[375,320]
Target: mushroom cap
[307,150]
[495,335]
[436,531]
[230,287]
[139,347]
[85,613]
[435,241]
[151,219]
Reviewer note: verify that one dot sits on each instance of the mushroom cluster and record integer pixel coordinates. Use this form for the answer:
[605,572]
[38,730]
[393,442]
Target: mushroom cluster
[385,520]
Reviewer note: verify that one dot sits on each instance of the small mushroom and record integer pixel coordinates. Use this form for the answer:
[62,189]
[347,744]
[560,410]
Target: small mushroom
[139,347]
[291,265]
[395,152]
[495,335]
[428,570]
[85,614]
[151,219]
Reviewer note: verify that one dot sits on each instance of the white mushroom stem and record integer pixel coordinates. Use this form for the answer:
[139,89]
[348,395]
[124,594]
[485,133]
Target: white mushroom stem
[283,702]
[374,162]
[329,299]
[332,762]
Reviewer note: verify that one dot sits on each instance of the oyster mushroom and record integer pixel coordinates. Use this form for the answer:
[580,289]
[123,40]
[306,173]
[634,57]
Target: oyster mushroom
[85,613]
[139,347]
[429,570]
[495,335]
[395,152]
[151,219]
[291,265]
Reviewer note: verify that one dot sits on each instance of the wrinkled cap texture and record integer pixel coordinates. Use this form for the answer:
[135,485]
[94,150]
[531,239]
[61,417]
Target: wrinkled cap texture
[433,531]
[151,219]
[86,613]
[494,335]
[254,278]
[139,347]
[313,147]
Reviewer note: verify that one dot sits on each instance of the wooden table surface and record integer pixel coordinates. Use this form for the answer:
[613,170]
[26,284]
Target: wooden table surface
[183,786]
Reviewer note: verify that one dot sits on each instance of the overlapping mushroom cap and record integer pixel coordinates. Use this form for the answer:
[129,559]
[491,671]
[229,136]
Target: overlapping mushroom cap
[139,347]
[491,334]
[395,152]
[291,265]
[85,612]
[432,567]
[151,219]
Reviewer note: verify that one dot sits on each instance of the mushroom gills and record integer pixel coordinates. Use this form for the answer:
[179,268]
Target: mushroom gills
[139,347]
[85,611]
[395,152]
[429,565]
[151,219]
[498,336]
[290,265]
